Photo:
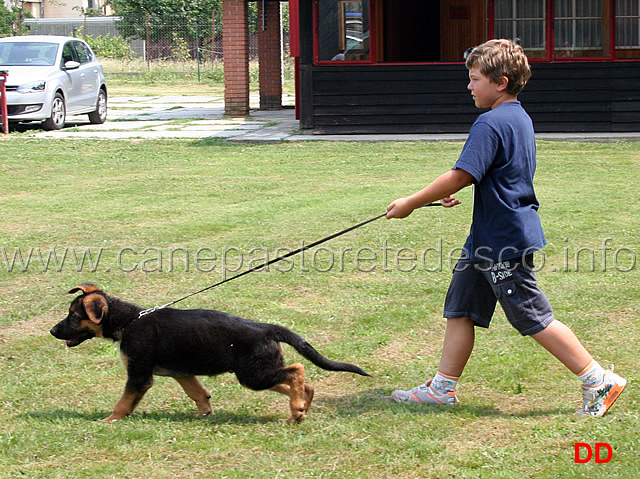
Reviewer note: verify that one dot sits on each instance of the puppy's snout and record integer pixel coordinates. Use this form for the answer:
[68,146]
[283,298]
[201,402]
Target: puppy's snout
[55,331]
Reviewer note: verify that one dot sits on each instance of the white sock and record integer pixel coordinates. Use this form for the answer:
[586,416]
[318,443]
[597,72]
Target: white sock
[442,383]
[592,375]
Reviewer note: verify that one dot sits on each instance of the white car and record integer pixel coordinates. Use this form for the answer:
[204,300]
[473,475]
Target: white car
[50,78]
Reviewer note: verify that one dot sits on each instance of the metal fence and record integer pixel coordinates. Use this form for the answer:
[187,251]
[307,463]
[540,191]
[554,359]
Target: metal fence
[146,41]
[178,48]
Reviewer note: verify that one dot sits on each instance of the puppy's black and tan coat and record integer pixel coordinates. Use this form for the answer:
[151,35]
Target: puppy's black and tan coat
[184,344]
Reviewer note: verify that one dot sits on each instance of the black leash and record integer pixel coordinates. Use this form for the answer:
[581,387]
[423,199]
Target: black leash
[275,260]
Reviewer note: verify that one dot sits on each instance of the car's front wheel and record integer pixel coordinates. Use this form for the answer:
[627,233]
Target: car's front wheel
[99,115]
[58,114]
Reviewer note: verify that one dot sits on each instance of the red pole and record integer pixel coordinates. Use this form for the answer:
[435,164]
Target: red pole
[4,115]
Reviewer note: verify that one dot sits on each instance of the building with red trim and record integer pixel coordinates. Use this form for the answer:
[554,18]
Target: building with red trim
[396,66]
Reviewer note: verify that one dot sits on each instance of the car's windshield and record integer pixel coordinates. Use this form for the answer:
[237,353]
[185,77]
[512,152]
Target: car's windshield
[28,53]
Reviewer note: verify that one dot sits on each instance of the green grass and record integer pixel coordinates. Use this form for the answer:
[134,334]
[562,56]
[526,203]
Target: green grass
[136,203]
[161,78]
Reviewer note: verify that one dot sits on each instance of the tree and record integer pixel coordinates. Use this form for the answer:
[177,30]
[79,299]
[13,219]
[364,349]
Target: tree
[181,15]
[7,19]
[11,21]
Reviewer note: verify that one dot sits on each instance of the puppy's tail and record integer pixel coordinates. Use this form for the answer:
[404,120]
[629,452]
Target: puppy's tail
[284,335]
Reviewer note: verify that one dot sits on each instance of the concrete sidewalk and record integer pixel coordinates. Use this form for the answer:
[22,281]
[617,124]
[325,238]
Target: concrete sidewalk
[188,117]
[200,117]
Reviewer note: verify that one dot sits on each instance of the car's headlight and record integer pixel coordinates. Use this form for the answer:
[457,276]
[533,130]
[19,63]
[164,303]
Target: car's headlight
[34,87]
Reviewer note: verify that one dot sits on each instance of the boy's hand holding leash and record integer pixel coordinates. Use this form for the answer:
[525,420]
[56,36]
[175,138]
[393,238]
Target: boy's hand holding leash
[402,207]
[449,201]
[442,188]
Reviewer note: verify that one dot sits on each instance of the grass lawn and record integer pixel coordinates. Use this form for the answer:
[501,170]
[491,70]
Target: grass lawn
[150,221]
[164,89]
[162,79]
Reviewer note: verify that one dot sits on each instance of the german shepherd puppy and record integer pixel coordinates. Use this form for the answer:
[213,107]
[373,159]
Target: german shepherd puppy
[184,344]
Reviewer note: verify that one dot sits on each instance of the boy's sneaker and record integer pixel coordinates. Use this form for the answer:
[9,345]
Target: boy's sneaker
[425,394]
[596,401]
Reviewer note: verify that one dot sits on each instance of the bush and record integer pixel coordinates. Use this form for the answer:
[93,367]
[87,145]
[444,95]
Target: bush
[110,47]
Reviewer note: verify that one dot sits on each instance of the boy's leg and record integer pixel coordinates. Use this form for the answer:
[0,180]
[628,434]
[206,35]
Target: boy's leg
[600,388]
[469,295]
[559,340]
[457,347]
[458,343]
[530,312]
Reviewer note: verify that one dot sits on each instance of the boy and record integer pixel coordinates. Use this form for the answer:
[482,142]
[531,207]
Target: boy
[499,160]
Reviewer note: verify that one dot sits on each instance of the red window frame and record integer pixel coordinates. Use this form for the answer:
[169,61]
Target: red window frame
[550,37]
[490,16]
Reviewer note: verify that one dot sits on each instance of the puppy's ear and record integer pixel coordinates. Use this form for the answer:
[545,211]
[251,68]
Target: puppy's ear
[96,307]
[86,288]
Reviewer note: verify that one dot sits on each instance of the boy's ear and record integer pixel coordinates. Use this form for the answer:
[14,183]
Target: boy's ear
[503,83]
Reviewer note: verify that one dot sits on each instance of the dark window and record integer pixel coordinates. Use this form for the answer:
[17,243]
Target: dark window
[343,30]
[579,29]
[411,31]
[524,20]
[628,28]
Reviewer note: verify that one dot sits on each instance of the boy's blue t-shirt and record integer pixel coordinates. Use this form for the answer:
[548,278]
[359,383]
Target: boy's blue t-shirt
[500,154]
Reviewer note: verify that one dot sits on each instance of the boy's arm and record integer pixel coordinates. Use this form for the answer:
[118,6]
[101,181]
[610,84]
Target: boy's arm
[442,187]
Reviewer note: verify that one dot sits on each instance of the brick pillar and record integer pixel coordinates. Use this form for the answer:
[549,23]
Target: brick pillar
[270,55]
[235,48]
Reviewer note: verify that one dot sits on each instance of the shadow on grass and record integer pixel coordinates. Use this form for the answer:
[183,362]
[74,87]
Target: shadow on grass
[380,400]
[349,405]
[217,417]
[217,142]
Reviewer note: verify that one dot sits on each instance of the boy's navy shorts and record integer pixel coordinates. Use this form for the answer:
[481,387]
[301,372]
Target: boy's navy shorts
[477,286]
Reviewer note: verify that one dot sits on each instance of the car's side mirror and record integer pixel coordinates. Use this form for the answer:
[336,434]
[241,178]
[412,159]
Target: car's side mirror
[71,65]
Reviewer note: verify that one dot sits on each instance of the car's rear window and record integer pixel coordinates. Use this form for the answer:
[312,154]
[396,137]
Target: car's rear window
[28,53]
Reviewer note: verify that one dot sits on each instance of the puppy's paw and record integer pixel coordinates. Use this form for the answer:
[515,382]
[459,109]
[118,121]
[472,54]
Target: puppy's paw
[299,414]
[296,418]
[115,416]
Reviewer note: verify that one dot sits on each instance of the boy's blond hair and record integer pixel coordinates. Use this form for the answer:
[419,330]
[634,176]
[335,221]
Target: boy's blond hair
[498,58]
